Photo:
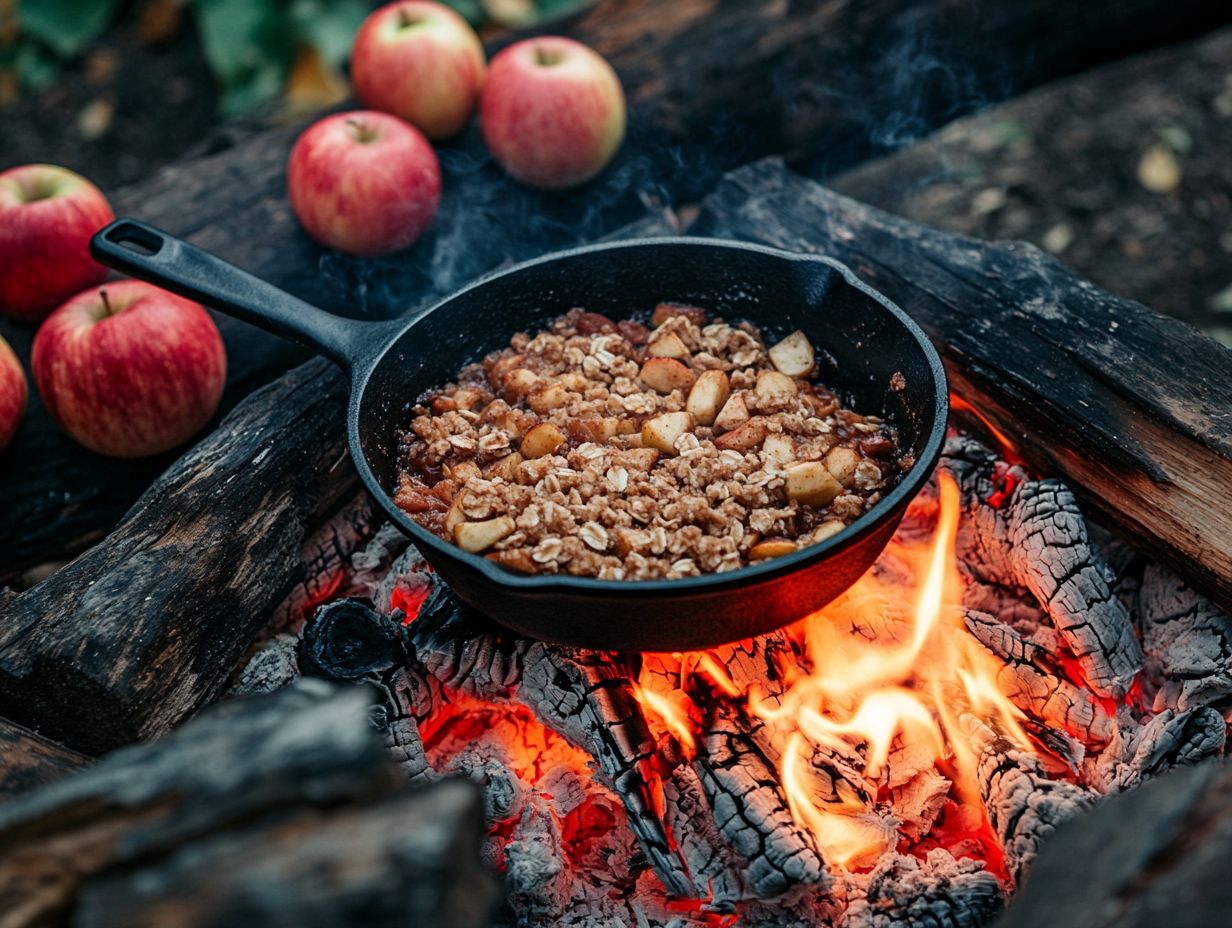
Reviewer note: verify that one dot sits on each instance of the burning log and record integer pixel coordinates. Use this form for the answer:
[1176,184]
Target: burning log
[1107,411]
[585,696]
[751,811]
[1138,753]
[1024,805]
[1189,640]
[167,606]
[1031,679]
[266,783]
[28,760]
[349,640]
[940,892]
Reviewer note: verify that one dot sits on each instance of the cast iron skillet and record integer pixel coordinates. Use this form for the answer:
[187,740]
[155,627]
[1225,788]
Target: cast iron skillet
[863,339]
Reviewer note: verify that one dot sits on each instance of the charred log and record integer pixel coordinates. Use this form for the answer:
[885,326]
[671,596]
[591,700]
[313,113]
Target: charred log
[940,892]
[1032,680]
[406,859]
[28,760]
[1023,804]
[1141,752]
[1084,383]
[349,640]
[166,608]
[309,746]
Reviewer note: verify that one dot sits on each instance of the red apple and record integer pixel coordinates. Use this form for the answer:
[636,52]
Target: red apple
[552,112]
[421,61]
[12,393]
[47,215]
[364,183]
[128,369]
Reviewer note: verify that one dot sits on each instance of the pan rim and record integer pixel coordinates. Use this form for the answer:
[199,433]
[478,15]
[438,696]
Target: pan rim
[547,584]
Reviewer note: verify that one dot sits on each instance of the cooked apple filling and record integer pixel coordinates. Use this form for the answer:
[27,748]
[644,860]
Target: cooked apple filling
[620,451]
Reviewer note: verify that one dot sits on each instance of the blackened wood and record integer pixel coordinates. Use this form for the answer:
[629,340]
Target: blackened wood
[1131,407]
[711,85]
[411,859]
[348,640]
[28,760]
[1173,838]
[144,629]
[309,745]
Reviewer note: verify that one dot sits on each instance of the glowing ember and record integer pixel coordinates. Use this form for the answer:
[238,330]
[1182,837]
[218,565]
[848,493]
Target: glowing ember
[890,666]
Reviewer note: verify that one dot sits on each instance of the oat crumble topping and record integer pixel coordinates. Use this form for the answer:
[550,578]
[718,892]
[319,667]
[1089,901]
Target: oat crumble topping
[617,451]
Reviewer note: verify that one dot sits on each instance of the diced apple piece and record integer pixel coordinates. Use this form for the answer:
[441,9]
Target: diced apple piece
[501,368]
[599,430]
[506,467]
[549,396]
[573,381]
[810,483]
[744,437]
[638,458]
[467,397]
[460,473]
[708,396]
[665,311]
[667,345]
[778,449]
[841,463]
[735,413]
[521,381]
[662,431]
[772,383]
[771,547]
[455,516]
[827,530]
[627,427]
[663,375]
[543,439]
[793,356]
[479,536]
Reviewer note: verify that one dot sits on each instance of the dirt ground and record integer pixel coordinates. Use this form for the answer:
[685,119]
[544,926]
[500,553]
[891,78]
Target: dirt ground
[1122,172]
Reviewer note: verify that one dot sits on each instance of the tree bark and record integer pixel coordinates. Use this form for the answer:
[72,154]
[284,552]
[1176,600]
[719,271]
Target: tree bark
[711,83]
[1131,407]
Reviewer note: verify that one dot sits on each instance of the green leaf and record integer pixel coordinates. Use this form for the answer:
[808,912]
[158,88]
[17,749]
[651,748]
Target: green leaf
[66,26]
[329,26]
[36,67]
[249,48]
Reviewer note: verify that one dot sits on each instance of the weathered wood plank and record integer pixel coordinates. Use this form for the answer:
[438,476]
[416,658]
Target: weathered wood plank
[1131,407]
[28,760]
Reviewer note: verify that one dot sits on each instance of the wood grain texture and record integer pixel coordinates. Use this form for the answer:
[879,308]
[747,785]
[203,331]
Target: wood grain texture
[712,84]
[28,760]
[144,629]
[1132,408]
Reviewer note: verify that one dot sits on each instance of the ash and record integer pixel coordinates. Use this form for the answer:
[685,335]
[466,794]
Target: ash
[602,812]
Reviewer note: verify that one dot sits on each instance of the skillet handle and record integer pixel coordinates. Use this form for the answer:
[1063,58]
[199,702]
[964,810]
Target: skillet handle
[150,254]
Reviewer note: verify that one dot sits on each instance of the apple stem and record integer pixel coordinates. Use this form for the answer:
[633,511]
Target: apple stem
[406,19]
[106,302]
[546,57]
[361,131]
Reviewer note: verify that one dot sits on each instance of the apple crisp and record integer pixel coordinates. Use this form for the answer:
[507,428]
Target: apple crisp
[621,451]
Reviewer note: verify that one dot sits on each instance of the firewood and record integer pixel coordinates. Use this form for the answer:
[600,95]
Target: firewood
[166,807]
[1129,406]
[1151,856]
[404,859]
[1140,752]
[348,640]
[142,631]
[905,892]
[708,88]
[1024,805]
[28,760]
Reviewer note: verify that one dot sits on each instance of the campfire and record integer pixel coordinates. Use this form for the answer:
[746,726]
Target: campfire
[896,757]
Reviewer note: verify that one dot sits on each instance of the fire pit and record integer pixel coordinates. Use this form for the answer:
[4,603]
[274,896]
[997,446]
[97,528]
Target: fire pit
[896,758]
